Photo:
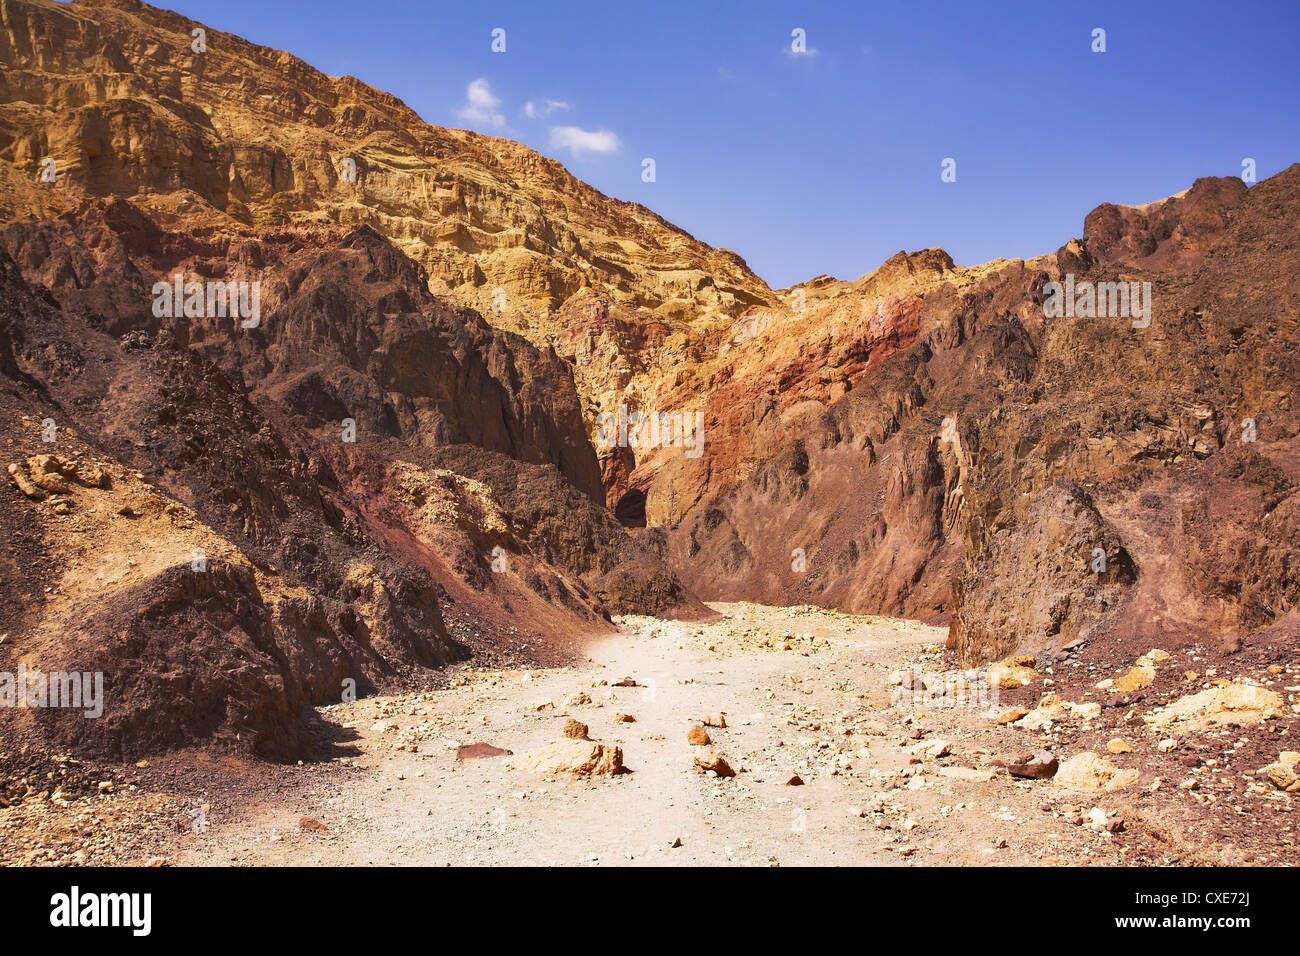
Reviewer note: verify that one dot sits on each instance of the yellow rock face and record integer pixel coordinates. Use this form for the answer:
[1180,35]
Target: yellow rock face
[1088,771]
[1012,673]
[1230,705]
[1142,673]
[648,316]
[493,222]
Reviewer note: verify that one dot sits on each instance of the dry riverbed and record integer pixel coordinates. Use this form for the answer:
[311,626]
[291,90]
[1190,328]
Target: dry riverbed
[832,765]
[803,692]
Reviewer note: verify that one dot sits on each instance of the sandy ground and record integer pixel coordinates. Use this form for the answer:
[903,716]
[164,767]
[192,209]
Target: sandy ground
[804,691]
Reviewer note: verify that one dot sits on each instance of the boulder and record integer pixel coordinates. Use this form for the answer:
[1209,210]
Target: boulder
[1089,771]
[1141,674]
[1234,704]
[1012,673]
[23,483]
[49,473]
[475,751]
[1041,717]
[572,757]
[933,749]
[1284,773]
[1011,715]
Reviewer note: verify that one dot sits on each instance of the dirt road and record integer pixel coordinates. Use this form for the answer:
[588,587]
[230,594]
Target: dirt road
[804,691]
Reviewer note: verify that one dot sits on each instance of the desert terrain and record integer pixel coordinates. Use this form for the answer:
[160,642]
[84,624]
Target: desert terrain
[824,761]
[305,413]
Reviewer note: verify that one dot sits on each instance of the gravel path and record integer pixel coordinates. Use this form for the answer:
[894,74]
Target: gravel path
[804,691]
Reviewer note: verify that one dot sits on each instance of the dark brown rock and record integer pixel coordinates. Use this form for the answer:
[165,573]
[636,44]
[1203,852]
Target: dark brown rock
[1039,765]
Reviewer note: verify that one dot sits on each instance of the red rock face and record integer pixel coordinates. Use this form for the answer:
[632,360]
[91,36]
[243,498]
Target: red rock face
[1150,423]
[973,471]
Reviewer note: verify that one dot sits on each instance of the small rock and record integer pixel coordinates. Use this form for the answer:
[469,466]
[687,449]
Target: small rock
[1011,715]
[1039,765]
[48,472]
[712,760]
[474,751]
[24,484]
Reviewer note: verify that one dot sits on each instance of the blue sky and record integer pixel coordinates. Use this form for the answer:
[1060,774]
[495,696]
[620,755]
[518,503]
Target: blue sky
[829,161]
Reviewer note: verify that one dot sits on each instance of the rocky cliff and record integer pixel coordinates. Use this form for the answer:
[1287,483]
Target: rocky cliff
[423,445]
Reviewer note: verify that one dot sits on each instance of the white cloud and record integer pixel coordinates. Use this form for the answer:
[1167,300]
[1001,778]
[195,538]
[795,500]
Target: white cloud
[548,106]
[481,106]
[580,141]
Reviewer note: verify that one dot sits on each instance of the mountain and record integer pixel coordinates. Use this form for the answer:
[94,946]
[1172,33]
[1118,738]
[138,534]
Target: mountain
[242,137]
[404,448]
